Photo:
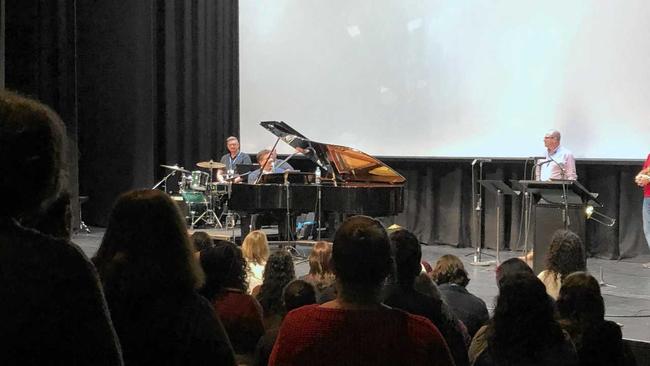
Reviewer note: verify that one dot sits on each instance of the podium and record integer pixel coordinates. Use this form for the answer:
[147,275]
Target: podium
[553,205]
[500,188]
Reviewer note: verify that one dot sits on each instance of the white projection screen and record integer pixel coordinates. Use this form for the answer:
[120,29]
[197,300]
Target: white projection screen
[453,78]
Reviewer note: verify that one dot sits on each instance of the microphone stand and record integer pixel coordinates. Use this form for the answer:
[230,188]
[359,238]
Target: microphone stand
[565,202]
[477,207]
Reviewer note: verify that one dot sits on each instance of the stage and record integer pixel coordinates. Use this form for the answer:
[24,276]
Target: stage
[626,290]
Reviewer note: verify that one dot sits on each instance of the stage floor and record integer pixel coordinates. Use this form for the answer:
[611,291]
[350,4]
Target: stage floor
[627,293]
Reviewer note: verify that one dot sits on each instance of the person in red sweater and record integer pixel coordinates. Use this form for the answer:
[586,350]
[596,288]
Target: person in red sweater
[643,180]
[356,328]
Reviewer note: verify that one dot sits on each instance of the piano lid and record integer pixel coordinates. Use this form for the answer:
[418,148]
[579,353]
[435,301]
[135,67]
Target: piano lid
[342,163]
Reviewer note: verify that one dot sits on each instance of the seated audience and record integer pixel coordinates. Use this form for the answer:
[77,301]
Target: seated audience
[402,294]
[320,271]
[255,248]
[279,271]
[150,276]
[511,267]
[201,241]
[296,294]
[565,256]
[451,278]
[523,330]
[225,286]
[52,309]
[582,315]
[356,328]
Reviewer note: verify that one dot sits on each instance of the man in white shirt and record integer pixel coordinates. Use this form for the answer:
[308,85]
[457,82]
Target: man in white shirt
[558,162]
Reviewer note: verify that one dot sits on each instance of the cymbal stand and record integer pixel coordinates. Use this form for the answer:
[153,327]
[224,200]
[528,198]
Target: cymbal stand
[291,248]
[164,181]
[212,218]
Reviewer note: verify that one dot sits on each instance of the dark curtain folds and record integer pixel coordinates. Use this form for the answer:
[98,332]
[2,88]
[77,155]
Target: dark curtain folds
[438,204]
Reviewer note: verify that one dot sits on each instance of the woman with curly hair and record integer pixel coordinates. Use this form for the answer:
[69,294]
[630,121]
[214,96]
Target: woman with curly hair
[523,330]
[582,315]
[565,255]
[279,271]
[255,248]
[225,286]
[451,278]
[320,271]
[151,277]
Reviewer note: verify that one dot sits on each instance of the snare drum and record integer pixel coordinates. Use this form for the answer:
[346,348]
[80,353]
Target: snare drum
[218,189]
[199,180]
[184,182]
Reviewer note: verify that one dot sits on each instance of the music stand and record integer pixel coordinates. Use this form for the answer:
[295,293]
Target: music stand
[500,188]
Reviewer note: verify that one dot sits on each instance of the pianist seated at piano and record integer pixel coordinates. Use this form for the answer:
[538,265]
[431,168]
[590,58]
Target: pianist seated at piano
[266,162]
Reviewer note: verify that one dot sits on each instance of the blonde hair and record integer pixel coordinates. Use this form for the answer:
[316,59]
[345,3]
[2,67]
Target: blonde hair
[256,247]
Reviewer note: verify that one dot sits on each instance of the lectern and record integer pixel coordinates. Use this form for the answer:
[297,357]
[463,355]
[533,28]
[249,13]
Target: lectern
[553,205]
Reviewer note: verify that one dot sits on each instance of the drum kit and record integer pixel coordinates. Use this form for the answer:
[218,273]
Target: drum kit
[200,195]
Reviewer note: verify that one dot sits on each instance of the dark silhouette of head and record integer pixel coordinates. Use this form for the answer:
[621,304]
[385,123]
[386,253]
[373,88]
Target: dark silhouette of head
[298,293]
[320,260]
[565,254]
[522,300]
[361,256]
[32,145]
[202,241]
[146,247]
[224,267]
[278,272]
[408,256]
[511,267]
[580,299]
[449,269]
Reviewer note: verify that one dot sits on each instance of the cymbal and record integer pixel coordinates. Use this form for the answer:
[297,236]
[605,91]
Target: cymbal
[175,167]
[210,165]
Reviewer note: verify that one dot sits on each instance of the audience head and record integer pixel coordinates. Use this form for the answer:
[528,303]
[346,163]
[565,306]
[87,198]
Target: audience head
[224,267]
[146,245]
[511,267]
[320,259]
[278,272]
[201,241]
[580,299]
[298,293]
[522,300]
[256,247]
[408,256]
[565,254]
[449,269]
[32,145]
[361,255]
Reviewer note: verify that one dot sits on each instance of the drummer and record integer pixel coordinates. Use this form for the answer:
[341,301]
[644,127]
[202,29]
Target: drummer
[233,158]
[266,162]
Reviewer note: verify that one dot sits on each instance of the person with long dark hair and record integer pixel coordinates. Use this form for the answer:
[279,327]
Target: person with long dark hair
[523,329]
[279,271]
[356,328]
[150,276]
[52,308]
[565,255]
[225,286]
[320,271]
[582,315]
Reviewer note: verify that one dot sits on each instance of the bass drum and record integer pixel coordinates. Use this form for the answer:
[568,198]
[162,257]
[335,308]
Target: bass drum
[191,204]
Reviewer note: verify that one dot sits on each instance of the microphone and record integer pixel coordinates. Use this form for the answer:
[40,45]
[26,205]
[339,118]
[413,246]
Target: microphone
[482,160]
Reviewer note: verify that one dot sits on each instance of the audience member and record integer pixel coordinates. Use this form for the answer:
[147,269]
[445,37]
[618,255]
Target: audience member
[202,241]
[225,286]
[356,328]
[320,271]
[255,248]
[150,276]
[523,330]
[511,267]
[582,313]
[451,278]
[279,271]
[402,294]
[52,309]
[296,294]
[565,256]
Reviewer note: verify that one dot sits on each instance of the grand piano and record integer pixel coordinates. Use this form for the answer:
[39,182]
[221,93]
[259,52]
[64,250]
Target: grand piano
[352,182]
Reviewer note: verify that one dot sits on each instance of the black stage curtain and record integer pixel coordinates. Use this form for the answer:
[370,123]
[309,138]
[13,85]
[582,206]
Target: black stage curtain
[438,204]
[39,61]
[158,84]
